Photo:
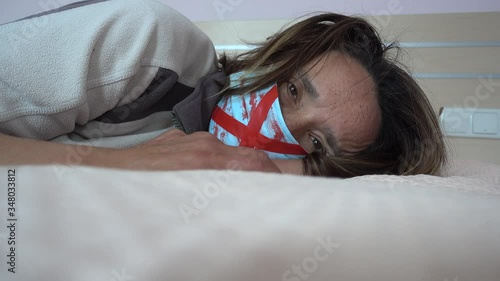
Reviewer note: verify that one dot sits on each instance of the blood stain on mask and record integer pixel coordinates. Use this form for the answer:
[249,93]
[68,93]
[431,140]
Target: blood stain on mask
[253,103]
[278,134]
[245,113]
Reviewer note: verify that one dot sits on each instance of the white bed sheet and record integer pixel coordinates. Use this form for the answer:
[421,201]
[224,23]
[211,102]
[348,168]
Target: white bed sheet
[99,224]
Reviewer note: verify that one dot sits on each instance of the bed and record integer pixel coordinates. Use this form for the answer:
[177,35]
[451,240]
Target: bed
[82,223]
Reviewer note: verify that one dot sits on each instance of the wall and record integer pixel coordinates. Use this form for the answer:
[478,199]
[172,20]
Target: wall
[207,10]
[438,45]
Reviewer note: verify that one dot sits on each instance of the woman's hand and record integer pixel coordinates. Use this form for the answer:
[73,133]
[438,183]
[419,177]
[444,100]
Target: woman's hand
[175,150]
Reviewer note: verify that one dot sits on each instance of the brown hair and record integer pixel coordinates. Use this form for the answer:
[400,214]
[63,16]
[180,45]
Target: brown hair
[409,141]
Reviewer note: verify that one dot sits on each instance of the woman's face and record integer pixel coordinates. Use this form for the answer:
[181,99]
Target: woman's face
[331,106]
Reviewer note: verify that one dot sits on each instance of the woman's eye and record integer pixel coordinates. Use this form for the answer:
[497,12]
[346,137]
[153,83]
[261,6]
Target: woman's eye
[318,146]
[293,90]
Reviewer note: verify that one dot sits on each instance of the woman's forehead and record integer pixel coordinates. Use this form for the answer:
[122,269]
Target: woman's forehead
[335,75]
[346,101]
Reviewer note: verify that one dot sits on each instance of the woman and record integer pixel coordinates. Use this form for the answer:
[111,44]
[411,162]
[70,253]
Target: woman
[346,104]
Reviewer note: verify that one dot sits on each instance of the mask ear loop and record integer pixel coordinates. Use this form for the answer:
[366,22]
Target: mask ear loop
[250,135]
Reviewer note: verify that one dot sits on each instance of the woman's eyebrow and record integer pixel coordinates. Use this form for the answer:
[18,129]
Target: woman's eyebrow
[332,141]
[308,86]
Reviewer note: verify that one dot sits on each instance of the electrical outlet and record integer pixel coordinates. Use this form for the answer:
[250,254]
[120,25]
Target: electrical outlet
[470,122]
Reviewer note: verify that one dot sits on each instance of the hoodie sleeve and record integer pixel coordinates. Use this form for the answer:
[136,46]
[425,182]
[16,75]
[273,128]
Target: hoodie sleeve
[63,68]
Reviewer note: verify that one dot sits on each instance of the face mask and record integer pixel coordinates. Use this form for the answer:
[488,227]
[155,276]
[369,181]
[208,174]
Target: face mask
[255,120]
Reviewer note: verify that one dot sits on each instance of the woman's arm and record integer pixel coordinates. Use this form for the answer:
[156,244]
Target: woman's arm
[173,150]
[21,151]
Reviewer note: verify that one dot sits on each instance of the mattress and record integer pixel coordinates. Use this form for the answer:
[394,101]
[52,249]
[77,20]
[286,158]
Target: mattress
[82,223]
